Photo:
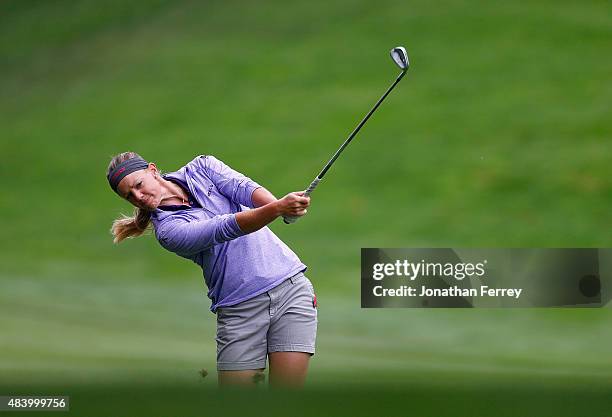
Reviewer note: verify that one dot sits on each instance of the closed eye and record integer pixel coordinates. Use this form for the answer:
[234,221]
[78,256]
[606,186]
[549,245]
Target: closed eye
[129,194]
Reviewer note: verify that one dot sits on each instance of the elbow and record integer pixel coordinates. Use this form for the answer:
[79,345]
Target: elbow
[228,229]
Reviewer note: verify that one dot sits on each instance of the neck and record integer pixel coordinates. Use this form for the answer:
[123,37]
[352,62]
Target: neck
[172,194]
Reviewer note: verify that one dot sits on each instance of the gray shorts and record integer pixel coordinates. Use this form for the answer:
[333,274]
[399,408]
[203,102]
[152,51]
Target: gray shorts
[283,319]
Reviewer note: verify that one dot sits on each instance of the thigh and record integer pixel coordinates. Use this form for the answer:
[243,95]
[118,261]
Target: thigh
[293,326]
[242,336]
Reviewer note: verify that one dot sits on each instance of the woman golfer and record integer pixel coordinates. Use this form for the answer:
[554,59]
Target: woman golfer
[217,217]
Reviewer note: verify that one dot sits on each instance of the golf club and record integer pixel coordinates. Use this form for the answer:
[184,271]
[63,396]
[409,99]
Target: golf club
[400,57]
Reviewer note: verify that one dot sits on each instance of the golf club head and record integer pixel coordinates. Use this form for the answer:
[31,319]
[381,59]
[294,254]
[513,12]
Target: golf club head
[400,57]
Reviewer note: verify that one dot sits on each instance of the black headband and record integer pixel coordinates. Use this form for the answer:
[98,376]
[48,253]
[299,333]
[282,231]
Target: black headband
[123,169]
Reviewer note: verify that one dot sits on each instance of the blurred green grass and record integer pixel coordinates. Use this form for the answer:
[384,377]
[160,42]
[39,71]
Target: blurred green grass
[498,136]
[107,343]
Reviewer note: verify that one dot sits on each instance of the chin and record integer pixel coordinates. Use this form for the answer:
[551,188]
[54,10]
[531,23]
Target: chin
[148,207]
[154,205]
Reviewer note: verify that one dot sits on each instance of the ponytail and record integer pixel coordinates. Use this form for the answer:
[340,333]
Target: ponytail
[134,226]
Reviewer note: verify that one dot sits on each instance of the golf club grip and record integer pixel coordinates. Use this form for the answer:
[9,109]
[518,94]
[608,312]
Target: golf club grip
[309,190]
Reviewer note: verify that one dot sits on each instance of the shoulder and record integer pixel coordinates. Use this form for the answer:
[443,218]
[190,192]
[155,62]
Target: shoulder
[203,162]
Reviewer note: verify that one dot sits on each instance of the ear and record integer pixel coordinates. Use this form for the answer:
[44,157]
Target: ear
[153,169]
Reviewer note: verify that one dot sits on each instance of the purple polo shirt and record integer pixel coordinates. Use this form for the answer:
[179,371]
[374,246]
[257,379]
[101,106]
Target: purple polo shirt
[236,266]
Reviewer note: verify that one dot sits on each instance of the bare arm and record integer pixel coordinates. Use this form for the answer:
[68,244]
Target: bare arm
[261,197]
[293,204]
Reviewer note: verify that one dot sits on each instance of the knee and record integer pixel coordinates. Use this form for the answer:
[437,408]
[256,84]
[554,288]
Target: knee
[249,378]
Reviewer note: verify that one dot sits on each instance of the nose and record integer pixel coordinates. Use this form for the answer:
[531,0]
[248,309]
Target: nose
[138,196]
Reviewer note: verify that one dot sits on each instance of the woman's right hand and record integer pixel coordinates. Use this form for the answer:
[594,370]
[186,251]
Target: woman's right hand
[293,204]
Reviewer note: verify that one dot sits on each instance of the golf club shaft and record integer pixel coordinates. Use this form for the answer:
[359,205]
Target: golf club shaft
[315,182]
[359,126]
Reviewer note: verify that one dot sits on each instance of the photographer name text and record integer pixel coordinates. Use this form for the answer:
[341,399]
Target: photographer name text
[423,291]
[407,270]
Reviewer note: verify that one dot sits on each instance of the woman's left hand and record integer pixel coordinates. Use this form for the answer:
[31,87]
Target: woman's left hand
[294,204]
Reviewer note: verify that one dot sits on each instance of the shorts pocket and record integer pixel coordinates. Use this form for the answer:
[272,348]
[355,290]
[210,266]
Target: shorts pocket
[312,292]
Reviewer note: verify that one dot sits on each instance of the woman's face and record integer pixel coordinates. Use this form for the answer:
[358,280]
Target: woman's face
[142,188]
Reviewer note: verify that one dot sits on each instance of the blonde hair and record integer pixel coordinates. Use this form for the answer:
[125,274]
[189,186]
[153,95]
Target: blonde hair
[127,226]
